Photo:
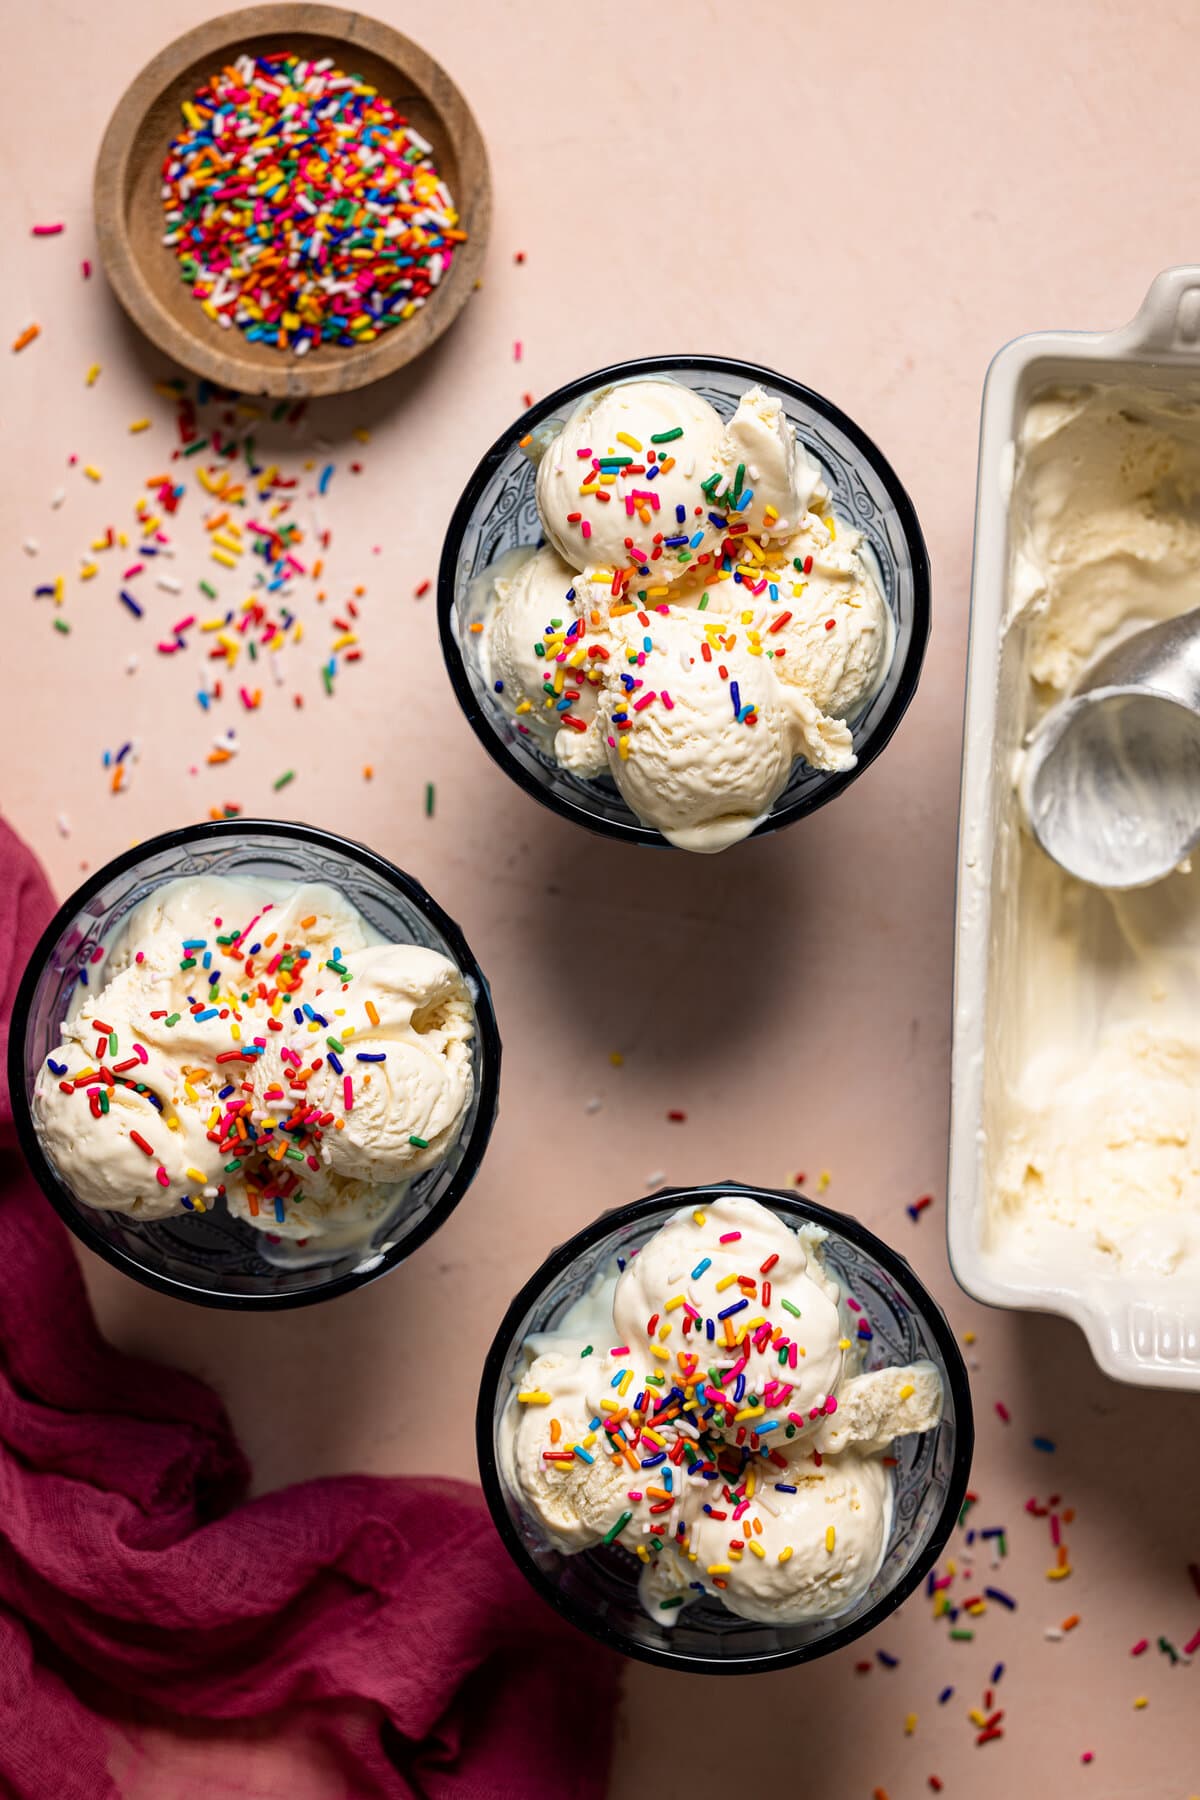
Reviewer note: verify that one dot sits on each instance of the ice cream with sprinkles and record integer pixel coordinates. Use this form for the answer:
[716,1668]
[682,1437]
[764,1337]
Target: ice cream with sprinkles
[705,1408]
[699,616]
[257,1045]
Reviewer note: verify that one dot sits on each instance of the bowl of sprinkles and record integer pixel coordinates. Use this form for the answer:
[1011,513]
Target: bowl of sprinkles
[253,1064]
[292,200]
[725,1429]
[684,600]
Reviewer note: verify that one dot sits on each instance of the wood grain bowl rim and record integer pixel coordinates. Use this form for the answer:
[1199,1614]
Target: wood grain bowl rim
[243,367]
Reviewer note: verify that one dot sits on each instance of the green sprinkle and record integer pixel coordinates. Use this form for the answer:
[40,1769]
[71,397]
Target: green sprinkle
[189,962]
[539,649]
[788,1307]
[555,623]
[252,647]
[615,1531]
[194,449]
[588,1351]
[173,1019]
[327,679]
[112,1043]
[666,1605]
[336,1045]
[296,1155]
[282,780]
[419,1143]
[61,625]
[103,1100]
[231,1168]
[337,967]
[666,437]
[962,1637]
[703,606]
[429,799]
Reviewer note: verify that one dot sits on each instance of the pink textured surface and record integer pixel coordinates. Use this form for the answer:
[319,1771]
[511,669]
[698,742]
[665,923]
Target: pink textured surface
[922,184]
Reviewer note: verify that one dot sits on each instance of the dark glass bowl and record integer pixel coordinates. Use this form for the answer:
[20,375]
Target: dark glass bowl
[214,1258]
[498,512]
[598,1589]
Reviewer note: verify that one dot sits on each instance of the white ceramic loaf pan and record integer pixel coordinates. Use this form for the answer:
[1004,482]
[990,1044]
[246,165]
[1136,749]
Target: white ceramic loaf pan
[1140,1328]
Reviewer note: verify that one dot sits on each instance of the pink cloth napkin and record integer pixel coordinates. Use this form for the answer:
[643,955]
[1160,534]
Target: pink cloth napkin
[162,1638]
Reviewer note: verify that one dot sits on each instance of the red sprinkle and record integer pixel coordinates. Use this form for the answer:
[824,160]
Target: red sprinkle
[135,1137]
[1003,1411]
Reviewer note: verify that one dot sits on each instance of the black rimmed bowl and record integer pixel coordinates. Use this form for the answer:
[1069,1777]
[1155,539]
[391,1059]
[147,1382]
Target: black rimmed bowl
[598,1589]
[214,1258]
[498,512]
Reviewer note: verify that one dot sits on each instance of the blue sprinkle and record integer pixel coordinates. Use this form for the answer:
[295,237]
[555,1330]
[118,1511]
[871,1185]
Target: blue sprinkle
[202,697]
[320,1019]
[695,542]
[718,519]
[673,543]
[191,944]
[562,706]
[710,1330]
[997,1672]
[499,686]
[887,1659]
[647,644]
[297,1015]
[372,1056]
[739,1386]
[1001,1598]
[737,1307]
[680,515]
[1046,1444]
[326,477]
[224,1093]
[210,1012]
[583,1455]
[129,601]
[334,1064]
[278,1210]
[704,1263]
[307,1010]
[55,1068]
[864,1330]
[784,1487]
[736,697]
[945,1695]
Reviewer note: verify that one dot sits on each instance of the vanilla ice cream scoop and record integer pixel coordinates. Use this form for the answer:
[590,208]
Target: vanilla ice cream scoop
[836,637]
[622,482]
[547,682]
[724,1435]
[752,1264]
[392,1065]
[556,1455]
[770,478]
[699,737]
[133,1143]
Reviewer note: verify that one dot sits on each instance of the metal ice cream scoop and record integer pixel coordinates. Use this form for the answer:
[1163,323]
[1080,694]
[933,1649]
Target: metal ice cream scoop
[1110,780]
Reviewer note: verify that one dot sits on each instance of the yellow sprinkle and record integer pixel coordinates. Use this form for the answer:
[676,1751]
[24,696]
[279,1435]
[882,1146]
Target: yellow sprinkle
[198,1204]
[907,1391]
[525,706]
[910,1724]
[719,1569]
[785,1555]
[615,1058]
[725,1281]
[92,472]
[749,1412]
[92,376]
[968,1337]
[228,542]
[623,437]
[700,1218]
[978,1718]
[758,1550]
[664,1355]
[830,1538]
[1140,1702]
[823,1180]
[227,562]
[88,570]
[58,590]
[361,434]
[626,1378]
[344,641]
[843,1343]
[534,1397]
[1058,1574]
[139,425]
[172,1123]
[675,1303]
[832,524]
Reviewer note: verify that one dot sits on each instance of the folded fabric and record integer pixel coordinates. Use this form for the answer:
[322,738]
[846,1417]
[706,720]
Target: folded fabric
[162,1637]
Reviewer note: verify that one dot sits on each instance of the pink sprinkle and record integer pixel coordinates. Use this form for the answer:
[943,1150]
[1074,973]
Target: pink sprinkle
[348,1093]
[48,230]
[1141,1647]
[139,1051]
[184,623]
[1055,1530]
[162,1177]
[85,269]
[1087,1757]
[517,350]
[853,1305]
[667,701]
[797,1419]
[634,1494]
[132,570]
[830,1403]
[140,957]
[1003,1411]
[98,953]
[1192,1645]
[586,528]
[730,1237]
[584,453]
[621,1350]
[640,706]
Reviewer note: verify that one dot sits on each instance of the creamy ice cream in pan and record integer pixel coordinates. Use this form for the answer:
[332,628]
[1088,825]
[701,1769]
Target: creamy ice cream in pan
[704,1408]
[698,617]
[257,1043]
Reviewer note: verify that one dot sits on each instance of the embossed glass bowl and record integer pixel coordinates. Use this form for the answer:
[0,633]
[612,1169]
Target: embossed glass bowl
[497,512]
[214,1258]
[598,1589]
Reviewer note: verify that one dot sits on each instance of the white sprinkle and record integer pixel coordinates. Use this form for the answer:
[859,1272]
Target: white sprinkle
[656,1178]
[64,825]
[1052,1634]
[131,665]
[168,584]
[31,546]
[57,497]
[594,1104]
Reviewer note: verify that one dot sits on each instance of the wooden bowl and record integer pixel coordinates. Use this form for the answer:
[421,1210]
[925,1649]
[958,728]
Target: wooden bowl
[130,220]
